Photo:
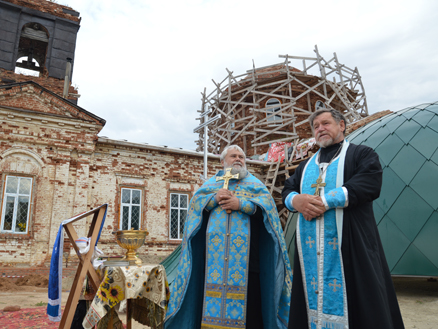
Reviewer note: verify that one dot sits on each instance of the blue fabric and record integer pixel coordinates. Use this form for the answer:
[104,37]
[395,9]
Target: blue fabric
[55,273]
[247,207]
[226,277]
[288,201]
[320,256]
[185,305]
[55,276]
[335,198]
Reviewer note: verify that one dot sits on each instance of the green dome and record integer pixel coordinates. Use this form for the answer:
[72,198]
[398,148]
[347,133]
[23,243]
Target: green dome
[406,211]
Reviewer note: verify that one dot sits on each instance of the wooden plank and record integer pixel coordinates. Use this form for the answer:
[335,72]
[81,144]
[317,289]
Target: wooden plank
[273,95]
[263,67]
[273,141]
[241,131]
[282,83]
[231,75]
[303,111]
[293,151]
[72,235]
[275,129]
[273,92]
[297,57]
[310,89]
[242,98]
[241,103]
[275,132]
[331,98]
[223,138]
[293,167]
[85,266]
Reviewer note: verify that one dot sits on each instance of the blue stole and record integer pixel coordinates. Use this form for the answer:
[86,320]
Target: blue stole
[226,274]
[229,302]
[319,248]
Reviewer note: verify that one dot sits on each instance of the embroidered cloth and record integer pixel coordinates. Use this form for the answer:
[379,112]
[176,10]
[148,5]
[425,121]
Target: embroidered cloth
[146,285]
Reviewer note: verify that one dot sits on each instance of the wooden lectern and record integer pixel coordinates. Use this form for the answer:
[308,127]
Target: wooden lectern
[85,266]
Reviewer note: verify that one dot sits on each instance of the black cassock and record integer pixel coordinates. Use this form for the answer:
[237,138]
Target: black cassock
[371,298]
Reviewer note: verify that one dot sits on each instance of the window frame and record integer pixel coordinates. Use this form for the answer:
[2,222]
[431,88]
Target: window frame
[276,119]
[124,204]
[17,195]
[179,193]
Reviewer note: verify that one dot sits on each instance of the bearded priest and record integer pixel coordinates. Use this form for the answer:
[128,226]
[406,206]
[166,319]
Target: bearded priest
[234,270]
[341,278]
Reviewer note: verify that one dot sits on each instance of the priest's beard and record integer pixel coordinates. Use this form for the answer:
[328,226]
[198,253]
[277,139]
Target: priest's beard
[328,142]
[236,168]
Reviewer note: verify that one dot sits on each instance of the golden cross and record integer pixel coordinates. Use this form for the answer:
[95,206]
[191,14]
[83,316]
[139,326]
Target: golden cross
[226,178]
[318,185]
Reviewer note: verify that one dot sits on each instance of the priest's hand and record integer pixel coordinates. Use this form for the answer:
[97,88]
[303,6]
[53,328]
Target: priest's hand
[227,200]
[310,206]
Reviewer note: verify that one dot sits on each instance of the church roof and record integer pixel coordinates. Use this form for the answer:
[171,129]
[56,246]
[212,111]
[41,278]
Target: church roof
[32,96]
[49,7]
[407,209]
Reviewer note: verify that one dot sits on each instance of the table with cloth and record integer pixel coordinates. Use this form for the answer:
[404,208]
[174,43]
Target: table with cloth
[145,288]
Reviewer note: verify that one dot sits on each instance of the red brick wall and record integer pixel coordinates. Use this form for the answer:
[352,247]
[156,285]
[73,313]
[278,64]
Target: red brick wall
[73,172]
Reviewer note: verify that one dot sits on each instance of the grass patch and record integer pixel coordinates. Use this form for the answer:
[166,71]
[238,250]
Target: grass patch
[41,304]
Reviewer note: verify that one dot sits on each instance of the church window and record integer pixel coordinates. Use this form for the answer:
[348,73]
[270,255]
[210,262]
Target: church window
[319,105]
[32,49]
[16,205]
[273,106]
[130,214]
[179,205]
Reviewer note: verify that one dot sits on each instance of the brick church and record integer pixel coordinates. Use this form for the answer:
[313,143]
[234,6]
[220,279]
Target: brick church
[53,164]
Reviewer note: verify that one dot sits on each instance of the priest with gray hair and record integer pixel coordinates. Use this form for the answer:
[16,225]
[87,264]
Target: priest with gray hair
[341,278]
[234,270]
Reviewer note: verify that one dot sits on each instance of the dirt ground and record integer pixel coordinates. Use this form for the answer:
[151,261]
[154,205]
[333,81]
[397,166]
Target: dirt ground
[418,298]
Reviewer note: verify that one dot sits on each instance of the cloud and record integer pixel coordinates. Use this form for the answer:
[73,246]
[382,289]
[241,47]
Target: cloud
[142,65]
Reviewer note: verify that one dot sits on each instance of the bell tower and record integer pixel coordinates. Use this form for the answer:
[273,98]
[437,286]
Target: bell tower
[38,36]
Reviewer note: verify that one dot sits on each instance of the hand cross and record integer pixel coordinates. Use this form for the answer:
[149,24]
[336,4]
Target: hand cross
[226,178]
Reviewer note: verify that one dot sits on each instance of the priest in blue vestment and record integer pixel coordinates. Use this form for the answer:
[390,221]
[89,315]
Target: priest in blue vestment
[234,270]
[341,277]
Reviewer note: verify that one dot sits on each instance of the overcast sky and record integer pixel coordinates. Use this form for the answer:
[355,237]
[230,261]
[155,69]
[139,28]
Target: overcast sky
[142,65]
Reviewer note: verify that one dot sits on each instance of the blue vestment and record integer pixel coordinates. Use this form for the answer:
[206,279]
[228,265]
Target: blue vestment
[210,287]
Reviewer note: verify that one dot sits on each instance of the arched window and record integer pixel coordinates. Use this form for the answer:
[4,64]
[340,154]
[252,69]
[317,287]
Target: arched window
[32,48]
[319,105]
[21,67]
[273,106]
